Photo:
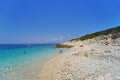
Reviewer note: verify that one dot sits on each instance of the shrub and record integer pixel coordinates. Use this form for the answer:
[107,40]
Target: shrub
[111,31]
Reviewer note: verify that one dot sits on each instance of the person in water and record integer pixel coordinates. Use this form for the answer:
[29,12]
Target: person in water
[25,52]
[61,51]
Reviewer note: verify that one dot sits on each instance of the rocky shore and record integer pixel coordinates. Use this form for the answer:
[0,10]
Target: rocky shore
[84,63]
[97,58]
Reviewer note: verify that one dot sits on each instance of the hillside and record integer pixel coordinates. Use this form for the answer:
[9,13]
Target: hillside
[92,57]
[106,37]
[111,31]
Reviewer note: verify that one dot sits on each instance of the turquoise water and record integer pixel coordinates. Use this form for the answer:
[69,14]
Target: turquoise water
[14,58]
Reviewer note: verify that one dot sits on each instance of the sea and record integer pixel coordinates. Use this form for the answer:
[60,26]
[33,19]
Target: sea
[25,61]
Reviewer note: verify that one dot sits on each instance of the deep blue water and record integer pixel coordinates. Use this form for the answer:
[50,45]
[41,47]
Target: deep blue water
[13,46]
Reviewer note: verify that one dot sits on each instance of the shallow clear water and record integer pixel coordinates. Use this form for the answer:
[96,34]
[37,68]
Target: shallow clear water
[16,57]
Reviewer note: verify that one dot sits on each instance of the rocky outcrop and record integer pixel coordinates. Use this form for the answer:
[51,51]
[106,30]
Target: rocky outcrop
[103,38]
[63,46]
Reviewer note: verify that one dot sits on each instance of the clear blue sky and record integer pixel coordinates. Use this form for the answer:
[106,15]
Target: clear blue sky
[51,21]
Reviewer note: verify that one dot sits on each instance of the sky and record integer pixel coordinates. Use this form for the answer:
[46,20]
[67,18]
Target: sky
[54,21]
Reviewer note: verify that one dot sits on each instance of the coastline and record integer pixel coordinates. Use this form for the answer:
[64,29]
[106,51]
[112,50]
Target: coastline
[50,67]
[87,62]
[91,57]
[28,65]
[84,63]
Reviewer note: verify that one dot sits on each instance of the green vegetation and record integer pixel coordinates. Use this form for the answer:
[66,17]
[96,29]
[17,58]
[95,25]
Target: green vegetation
[104,32]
